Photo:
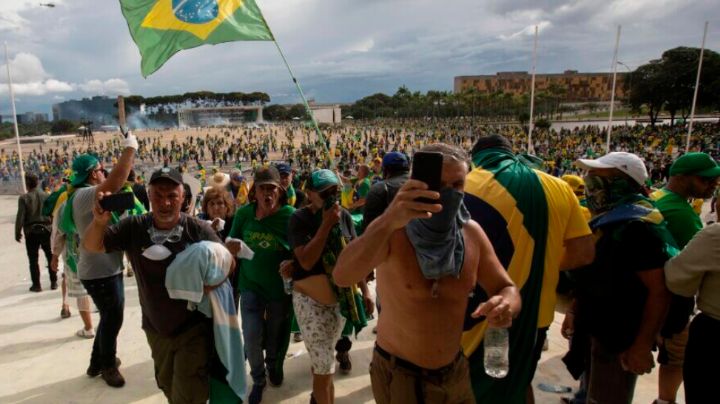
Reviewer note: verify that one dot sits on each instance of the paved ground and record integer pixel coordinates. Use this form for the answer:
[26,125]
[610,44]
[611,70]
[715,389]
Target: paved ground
[42,361]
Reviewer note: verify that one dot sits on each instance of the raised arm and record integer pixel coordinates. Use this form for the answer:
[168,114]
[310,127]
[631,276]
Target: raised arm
[309,254]
[95,232]
[368,251]
[120,172]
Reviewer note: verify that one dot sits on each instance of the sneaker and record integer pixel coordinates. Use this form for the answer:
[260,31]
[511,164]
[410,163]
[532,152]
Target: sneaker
[93,371]
[345,364]
[275,377]
[65,312]
[256,393]
[35,288]
[83,333]
[53,285]
[312,399]
[297,337]
[113,377]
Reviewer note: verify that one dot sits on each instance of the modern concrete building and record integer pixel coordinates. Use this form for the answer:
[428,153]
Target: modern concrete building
[578,87]
[220,116]
[326,113]
[100,110]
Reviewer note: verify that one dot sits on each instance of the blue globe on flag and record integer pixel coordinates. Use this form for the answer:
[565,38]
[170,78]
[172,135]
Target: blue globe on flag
[195,11]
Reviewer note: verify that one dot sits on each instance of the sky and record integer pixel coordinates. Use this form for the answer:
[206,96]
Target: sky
[340,50]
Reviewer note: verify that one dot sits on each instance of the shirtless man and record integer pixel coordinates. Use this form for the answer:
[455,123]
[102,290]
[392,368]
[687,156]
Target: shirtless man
[418,344]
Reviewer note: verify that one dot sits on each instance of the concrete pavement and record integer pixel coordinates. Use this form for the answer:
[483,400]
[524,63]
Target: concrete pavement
[42,361]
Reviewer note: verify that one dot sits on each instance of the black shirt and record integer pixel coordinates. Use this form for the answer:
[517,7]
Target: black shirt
[380,196]
[304,224]
[611,293]
[160,313]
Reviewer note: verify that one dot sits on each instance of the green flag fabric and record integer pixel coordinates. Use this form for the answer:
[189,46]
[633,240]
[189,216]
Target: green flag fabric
[507,198]
[161,28]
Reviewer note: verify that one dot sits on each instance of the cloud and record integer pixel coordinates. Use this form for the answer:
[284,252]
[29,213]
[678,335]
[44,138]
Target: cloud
[107,87]
[527,31]
[29,77]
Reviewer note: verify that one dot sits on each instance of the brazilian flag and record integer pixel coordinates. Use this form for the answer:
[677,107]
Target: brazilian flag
[161,28]
[506,197]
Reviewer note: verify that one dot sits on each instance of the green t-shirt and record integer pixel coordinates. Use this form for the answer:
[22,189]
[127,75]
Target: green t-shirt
[682,221]
[268,238]
[363,188]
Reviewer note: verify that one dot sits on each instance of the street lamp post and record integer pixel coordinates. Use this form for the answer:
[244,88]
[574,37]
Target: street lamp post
[628,86]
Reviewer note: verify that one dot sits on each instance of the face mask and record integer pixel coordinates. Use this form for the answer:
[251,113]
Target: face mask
[604,193]
[438,241]
[156,252]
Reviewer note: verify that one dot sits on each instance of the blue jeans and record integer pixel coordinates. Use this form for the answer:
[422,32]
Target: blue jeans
[109,297]
[266,326]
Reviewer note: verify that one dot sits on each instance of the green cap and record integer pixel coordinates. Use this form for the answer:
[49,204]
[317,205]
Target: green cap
[82,166]
[695,163]
[321,180]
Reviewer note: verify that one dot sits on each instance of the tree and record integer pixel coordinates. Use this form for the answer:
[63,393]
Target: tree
[680,69]
[646,88]
[63,126]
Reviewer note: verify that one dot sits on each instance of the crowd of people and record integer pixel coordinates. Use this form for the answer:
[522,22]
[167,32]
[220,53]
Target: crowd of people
[288,229]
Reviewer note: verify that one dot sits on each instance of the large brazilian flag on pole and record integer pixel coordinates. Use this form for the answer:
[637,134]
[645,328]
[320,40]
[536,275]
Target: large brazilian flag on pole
[161,28]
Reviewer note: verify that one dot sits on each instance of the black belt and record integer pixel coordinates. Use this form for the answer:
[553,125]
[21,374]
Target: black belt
[436,373]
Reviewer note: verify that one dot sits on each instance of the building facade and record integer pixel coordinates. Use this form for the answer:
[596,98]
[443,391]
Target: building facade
[578,87]
[99,110]
[220,116]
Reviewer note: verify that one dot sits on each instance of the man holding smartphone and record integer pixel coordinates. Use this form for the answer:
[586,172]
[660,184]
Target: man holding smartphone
[100,273]
[425,286]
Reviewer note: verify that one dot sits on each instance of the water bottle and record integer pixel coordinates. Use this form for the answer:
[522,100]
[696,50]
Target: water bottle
[496,347]
[288,285]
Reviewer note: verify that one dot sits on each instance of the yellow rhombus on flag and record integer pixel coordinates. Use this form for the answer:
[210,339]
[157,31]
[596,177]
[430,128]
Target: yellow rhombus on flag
[161,28]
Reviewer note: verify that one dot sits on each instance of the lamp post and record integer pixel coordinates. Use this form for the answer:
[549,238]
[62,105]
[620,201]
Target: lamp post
[628,86]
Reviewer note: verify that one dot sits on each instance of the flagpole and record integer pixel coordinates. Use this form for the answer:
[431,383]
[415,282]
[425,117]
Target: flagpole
[612,94]
[14,112]
[697,85]
[532,94]
[302,94]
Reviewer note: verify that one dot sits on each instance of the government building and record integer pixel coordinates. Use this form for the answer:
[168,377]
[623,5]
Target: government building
[579,87]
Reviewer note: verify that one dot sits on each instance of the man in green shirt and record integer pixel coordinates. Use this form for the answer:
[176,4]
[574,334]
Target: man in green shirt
[693,175]
[362,188]
[265,308]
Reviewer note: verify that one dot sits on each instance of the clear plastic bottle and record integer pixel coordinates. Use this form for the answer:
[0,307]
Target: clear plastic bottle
[496,345]
[288,285]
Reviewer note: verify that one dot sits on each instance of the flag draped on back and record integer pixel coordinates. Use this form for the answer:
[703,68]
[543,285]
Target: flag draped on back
[506,197]
[161,28]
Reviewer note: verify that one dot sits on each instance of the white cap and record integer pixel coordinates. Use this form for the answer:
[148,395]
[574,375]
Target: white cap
[628,163]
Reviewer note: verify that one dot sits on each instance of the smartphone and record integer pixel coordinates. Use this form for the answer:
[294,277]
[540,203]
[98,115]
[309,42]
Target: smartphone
[330,201]
[427,167]
[118,202]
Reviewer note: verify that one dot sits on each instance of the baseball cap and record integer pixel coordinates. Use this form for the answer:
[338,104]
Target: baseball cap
[82,166]
[267,175]
[628,163]
[695,163]
[576,183]
[283,168]
[167,173]
[321,180]
[395,160]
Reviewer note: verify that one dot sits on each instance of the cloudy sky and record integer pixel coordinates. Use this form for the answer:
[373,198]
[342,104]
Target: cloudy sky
[340,50]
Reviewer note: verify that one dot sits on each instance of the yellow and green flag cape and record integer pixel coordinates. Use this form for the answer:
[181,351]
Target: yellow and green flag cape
[161,28]
[506,197]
